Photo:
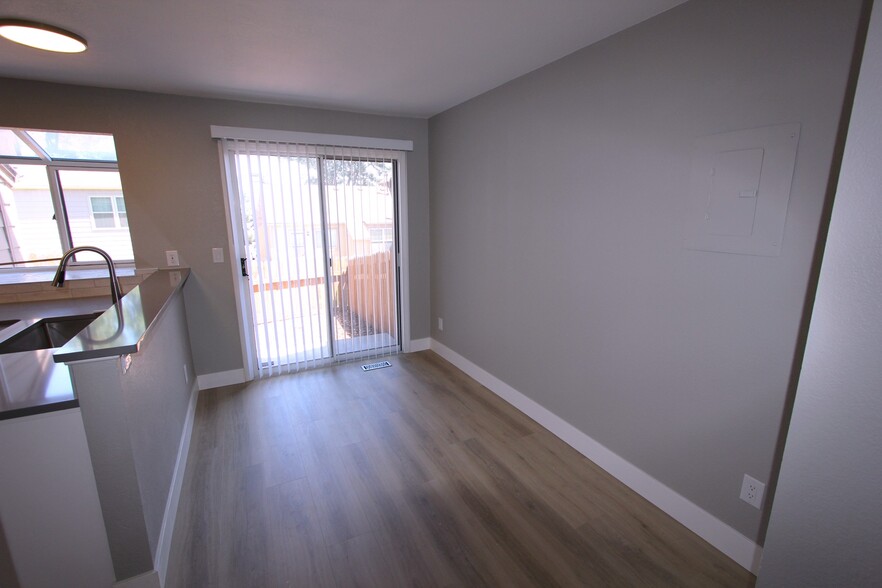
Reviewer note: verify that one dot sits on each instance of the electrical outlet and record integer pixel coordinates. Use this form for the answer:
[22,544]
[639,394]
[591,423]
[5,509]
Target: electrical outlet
[172,259]
[440,324]
[752,491]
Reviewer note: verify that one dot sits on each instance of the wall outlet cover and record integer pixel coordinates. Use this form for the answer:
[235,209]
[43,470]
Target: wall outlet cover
[752,491]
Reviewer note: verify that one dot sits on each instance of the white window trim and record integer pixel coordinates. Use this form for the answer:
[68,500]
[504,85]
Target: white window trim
[219,132]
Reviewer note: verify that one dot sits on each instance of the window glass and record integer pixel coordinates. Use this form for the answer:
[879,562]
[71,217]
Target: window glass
[29,215]
[69,194]
[101,204]
[121,212]
[382,239]
[102,212]
[76,146]
[12,146]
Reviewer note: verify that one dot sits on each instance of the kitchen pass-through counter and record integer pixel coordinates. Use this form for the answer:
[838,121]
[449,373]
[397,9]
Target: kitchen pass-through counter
[93,455]
[33,382]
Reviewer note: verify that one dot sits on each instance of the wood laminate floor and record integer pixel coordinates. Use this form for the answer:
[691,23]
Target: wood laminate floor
[413,475]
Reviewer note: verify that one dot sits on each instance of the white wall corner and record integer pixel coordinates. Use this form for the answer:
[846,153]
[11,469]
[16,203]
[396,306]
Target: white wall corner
[163,548]
[729,541]
[419,345]
[218,379]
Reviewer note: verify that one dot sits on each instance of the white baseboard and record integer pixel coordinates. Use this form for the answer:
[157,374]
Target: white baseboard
[218,379]
[145,580]
[163,547]
[739,548]
[419,345]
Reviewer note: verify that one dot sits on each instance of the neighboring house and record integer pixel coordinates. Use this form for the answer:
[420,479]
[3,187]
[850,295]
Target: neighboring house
[9,248]
[93,202]
[360,225]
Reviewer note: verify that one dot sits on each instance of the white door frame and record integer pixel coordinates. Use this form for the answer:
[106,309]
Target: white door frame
[235,237]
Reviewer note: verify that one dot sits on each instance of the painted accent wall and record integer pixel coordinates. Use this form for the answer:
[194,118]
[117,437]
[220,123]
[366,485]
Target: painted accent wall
[558,204]
[172,179]
[826,522]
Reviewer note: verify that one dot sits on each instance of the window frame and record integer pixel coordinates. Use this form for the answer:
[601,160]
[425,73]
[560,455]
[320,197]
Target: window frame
[114,213]
[386,240]
[56,193]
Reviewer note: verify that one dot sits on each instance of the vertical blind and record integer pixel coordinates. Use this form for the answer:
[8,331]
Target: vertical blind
[320,243]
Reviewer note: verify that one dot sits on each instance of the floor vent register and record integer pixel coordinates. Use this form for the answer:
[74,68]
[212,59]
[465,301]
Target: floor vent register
[375,366]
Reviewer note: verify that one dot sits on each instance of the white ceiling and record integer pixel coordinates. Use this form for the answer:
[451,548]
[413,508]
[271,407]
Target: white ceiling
[403,57]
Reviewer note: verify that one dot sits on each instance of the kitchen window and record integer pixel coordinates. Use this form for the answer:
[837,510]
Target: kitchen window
[60,190]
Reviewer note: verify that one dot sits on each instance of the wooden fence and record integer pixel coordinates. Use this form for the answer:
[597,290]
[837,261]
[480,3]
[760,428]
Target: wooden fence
[370,285]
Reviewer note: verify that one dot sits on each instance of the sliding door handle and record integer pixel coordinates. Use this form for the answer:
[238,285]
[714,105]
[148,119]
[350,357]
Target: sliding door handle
[244,269]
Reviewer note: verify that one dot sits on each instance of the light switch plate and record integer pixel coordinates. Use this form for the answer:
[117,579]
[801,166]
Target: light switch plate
[172,259]
[217,254]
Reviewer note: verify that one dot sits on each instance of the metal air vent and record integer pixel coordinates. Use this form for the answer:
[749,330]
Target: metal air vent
[375,366]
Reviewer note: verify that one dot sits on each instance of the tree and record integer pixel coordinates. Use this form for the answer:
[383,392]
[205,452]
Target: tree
[354,172]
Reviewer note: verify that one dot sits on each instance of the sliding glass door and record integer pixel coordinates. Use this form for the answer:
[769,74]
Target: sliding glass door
[318,251]
[360,215]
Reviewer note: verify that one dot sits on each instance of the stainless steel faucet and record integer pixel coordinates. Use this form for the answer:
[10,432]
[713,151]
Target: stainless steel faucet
[115,290]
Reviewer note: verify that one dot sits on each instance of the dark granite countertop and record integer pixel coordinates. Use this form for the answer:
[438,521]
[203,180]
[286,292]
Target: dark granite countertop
[121,328]
[33,382]
[30,381]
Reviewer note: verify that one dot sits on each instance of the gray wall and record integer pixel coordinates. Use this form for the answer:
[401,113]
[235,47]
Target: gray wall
[173,185]
[826,523]
[157,394]
[557,210]
[134,423]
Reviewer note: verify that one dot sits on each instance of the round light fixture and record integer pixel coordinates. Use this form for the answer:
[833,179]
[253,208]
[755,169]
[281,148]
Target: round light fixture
[41,36]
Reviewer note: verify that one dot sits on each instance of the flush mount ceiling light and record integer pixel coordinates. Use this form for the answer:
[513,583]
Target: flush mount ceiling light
[41,36]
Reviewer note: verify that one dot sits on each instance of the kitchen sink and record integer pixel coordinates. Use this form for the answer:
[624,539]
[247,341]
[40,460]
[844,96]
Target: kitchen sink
[47,333]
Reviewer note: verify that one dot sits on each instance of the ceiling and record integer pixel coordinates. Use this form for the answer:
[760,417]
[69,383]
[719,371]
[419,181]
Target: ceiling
[403,57]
